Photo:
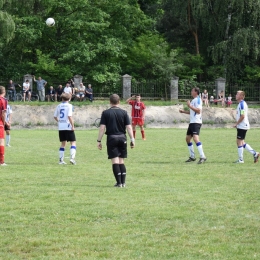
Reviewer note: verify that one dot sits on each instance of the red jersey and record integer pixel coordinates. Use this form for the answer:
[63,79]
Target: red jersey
[137,108]
[3,107]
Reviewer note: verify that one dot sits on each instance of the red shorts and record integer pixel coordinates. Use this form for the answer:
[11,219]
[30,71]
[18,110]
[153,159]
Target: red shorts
[137,121]
[2,132]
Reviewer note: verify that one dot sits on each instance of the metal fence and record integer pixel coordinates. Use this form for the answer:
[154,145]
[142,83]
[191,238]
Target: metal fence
[160,89]
[152,89]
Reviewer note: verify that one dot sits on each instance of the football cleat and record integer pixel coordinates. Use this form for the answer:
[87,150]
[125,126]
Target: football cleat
[72,161]
[202,160]
[3,164]
[62,162]
[239,161]
[118,185]
[191,159]
[256,156]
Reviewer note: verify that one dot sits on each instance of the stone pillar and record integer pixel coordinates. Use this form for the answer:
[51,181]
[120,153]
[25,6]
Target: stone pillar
[77,80]
[127,80]
[174,88]
[220,84]
[30,78]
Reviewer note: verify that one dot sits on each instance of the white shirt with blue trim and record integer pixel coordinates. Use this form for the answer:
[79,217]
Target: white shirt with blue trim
[194,117]
[62,112]
[242,109]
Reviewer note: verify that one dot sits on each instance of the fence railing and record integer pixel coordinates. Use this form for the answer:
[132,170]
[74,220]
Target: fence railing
[160,89]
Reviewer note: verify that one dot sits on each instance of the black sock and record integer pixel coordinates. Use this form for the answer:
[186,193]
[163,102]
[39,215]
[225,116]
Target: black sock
[117,173]
[123,172]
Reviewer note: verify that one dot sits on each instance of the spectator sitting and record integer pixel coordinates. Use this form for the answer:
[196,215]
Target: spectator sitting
[51,94]
[59,92]
[89,93]
[80,92]
[11,88]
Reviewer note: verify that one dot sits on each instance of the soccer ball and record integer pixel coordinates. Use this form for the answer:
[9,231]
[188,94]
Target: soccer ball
[50,22]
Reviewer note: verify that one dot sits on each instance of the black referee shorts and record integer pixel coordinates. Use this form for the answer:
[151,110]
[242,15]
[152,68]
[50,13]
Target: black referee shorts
[194,129]
[67,135]
[116,146]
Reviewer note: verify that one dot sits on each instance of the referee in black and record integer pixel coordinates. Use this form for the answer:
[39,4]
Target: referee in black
[114,123]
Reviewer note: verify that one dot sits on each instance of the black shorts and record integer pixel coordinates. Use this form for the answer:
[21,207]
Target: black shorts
[241,134]
[116,146]
[67,135]
[194,129]
[7,127]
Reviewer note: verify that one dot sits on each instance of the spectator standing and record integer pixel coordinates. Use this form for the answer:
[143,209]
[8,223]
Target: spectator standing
[41,83]
[89,93]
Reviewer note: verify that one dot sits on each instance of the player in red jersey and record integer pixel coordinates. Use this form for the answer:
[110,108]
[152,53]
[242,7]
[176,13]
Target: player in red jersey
[3,107]
[138,113]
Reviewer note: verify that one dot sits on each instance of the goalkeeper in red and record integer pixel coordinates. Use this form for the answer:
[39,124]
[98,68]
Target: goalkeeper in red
[138,113]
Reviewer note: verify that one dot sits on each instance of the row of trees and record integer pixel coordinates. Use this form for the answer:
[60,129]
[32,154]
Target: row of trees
[148,39]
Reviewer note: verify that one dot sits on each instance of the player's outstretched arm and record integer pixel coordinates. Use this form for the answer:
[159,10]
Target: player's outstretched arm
[183,111]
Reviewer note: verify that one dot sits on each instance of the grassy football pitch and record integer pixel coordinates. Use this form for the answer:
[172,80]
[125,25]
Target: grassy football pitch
[169,209]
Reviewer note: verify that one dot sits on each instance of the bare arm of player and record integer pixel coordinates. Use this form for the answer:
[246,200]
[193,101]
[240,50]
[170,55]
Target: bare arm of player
[195,109]
[144,114]
[101,132]
[184,112]
[241,118]
[129,99]
[56,118]
[71,122]
[131,135]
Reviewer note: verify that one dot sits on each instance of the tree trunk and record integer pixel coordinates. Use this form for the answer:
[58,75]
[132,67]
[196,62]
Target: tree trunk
[193,29]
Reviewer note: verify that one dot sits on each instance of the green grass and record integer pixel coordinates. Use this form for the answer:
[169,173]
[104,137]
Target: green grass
[169,209]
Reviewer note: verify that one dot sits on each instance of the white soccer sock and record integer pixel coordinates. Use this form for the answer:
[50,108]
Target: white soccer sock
[8,137]
[72,152]
[199,146]
[240,152]
[249,149]
[191,150]
[61,154]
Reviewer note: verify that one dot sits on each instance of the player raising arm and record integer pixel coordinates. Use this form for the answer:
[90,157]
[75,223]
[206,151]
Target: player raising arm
[193,131]
[114,123]
[242,125]
[138,113]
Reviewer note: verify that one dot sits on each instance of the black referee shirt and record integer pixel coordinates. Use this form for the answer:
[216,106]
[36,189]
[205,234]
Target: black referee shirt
[115,119]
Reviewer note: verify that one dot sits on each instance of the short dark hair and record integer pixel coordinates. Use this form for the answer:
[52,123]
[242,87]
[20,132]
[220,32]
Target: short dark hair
[114,99]
[197,90]
[138,95]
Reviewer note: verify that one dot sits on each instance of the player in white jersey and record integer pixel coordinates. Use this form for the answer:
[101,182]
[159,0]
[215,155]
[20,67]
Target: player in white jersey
[63,115]
[8,125]
[242,126]
[193,131]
